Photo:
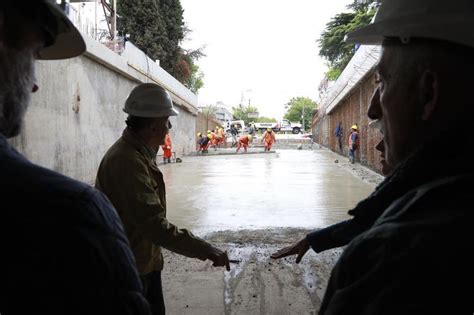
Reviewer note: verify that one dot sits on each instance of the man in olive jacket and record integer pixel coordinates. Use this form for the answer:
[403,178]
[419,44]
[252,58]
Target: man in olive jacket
[129,176]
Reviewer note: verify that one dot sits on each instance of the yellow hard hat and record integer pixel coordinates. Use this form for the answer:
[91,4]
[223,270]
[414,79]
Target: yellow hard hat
[250,137]
[354,127]
[208,131]
[269,129]
[199,134]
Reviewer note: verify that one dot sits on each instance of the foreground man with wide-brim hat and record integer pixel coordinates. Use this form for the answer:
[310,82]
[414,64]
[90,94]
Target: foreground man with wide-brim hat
[63,247]
[416,258]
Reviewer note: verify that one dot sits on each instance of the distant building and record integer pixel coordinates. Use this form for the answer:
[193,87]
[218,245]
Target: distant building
[220,113]
[223,115]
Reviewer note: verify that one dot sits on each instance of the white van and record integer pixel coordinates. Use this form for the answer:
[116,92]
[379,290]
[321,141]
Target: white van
[240,125]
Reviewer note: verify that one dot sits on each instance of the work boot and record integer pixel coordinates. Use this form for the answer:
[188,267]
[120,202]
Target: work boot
[169,160]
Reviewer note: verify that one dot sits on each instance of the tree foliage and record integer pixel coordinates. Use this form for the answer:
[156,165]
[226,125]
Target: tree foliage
[265,119]
[242,112]
[187,71]
[157,28]
[299,107]
[154,26]
[331,43]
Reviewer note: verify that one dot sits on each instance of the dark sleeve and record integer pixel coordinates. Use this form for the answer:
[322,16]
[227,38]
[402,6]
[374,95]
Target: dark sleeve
[336,235]
[102,266]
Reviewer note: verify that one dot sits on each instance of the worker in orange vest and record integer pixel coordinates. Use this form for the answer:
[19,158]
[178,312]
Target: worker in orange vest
[222,134]
[268,138]
[212,139]
[244,142]
[167,149]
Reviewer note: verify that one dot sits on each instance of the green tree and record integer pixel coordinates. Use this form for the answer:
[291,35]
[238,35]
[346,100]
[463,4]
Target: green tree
[142,22]
[157,28]
[331,43]
[154,26]
[241,113]
[265,119]
[300,109]
[172,14]
[187,71]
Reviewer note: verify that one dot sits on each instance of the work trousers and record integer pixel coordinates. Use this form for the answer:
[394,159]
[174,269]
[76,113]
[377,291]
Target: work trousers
[154,292]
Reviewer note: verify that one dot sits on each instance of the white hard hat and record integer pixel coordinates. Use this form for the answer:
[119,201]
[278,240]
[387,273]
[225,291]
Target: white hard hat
[149,100]
[451,21]
[67,41]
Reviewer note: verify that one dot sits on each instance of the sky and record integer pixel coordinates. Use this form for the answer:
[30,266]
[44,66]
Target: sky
[262,51]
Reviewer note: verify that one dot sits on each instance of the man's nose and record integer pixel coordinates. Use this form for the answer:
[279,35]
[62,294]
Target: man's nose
[169,124]
[34,88]
[373,112]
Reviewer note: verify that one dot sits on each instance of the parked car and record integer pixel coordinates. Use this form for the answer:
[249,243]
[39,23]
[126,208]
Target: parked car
[284,125]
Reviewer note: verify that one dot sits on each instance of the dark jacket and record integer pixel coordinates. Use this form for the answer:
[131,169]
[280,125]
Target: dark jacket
[63,248]
[234,131]
[416,255]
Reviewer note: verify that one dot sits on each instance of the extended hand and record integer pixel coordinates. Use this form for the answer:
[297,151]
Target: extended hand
[300,248]
[219,258]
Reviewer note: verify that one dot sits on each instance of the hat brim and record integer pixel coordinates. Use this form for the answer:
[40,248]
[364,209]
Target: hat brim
[428,27]
[148,114]
[68,43]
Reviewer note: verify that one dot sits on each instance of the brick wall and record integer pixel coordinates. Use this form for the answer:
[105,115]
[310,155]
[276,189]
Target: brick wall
[204,123]
[351,110]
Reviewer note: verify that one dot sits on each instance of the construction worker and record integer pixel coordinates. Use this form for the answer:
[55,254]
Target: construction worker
[222,139]
[234,132]
[218,136]
[268,139]
[244,141]
[353,143]
[203,143]
[130,178]
[212,139]
[167,149]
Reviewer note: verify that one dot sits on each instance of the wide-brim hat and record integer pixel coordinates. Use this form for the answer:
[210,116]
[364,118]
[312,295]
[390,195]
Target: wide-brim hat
[451,21]
[68,41]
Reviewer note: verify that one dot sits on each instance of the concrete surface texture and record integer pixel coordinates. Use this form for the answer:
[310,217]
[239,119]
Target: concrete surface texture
[252,205]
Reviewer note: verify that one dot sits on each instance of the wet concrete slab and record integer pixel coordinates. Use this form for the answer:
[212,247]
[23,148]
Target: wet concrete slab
[290,188]
[251,205]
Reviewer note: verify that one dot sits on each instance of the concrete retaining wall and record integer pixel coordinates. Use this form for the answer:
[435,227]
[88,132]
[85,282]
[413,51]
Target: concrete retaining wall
[77,113]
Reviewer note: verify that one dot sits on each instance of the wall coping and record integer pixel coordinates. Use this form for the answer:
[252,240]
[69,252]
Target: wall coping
[362,64]
[131,65]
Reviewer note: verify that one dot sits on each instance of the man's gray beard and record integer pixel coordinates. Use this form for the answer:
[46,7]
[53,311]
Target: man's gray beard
[16,81]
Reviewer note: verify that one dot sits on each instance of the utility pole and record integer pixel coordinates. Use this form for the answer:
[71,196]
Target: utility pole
[302,118]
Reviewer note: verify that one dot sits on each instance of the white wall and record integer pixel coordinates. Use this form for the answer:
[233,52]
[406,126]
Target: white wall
[77,113]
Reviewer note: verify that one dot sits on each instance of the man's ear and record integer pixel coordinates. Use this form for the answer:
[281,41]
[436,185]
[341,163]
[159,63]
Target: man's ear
[429,93]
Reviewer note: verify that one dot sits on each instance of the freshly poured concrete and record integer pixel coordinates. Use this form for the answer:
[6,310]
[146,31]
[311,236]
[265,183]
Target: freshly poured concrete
[252,205]
[289,188]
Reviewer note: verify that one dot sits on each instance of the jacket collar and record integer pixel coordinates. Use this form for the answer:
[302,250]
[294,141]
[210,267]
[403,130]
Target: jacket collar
[441,158]
[138,144]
